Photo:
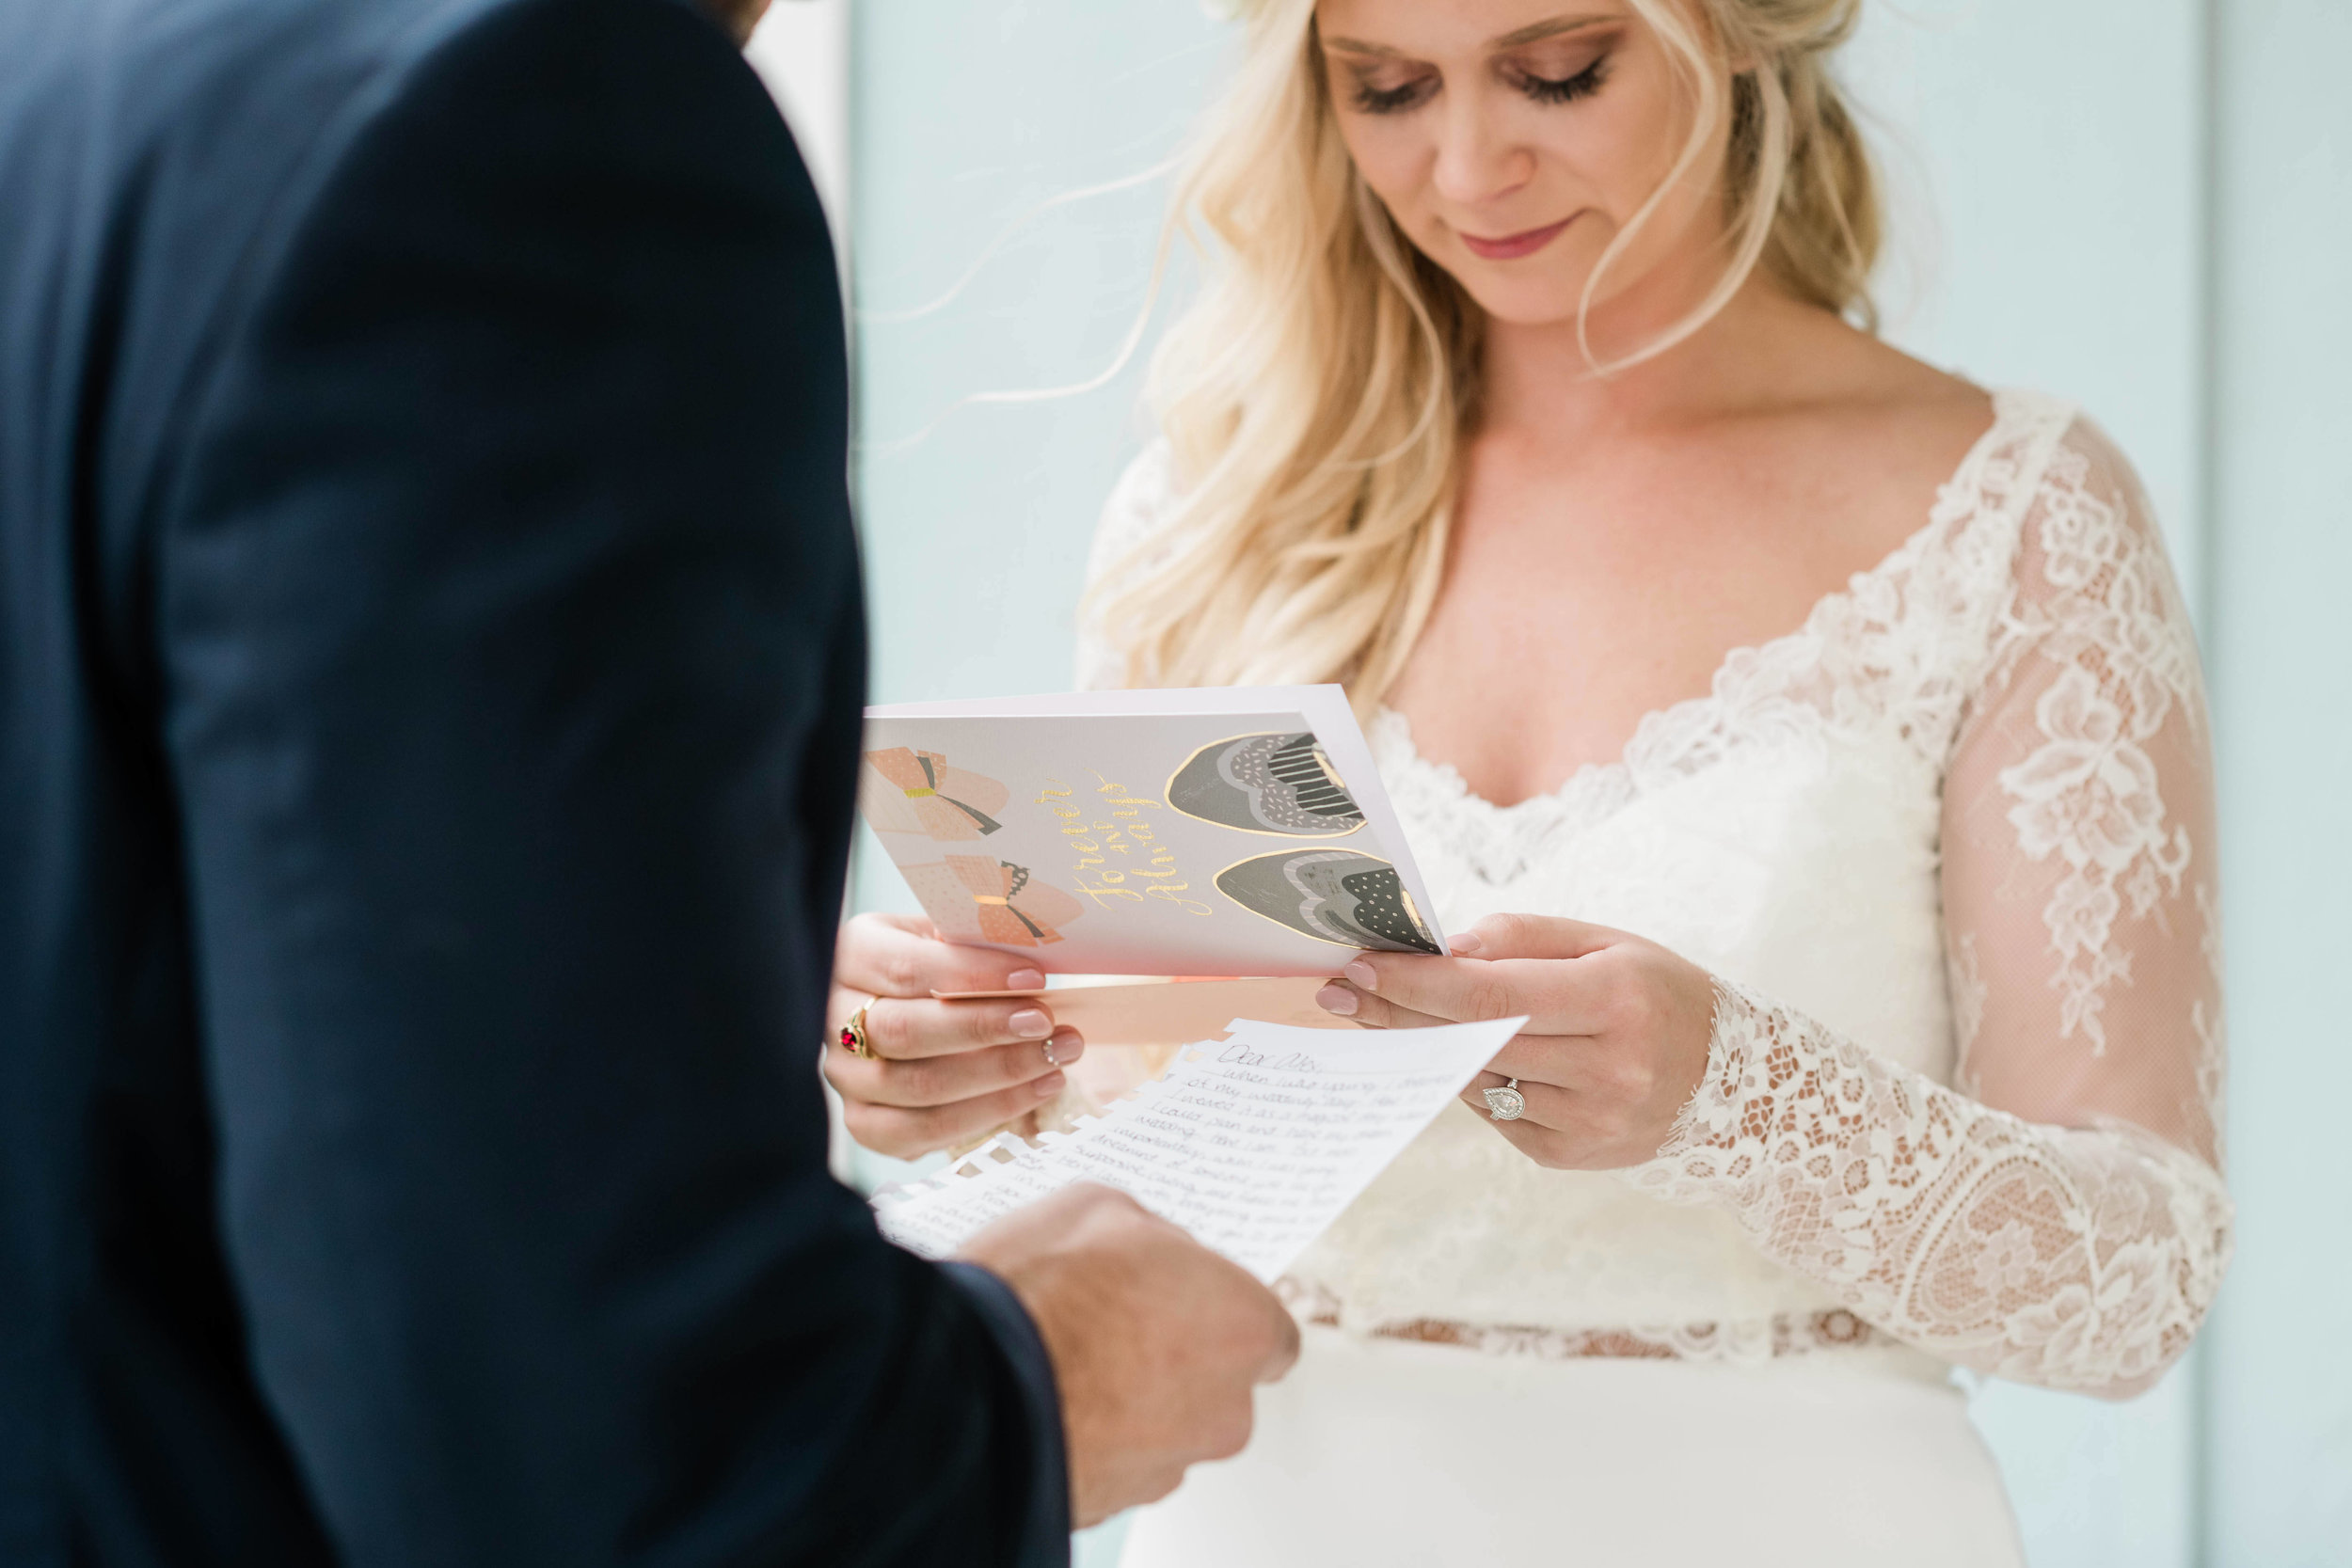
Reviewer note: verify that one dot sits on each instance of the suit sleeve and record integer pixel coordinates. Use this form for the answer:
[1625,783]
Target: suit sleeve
[508,613]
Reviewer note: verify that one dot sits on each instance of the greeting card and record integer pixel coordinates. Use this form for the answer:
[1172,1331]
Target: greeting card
[1236,831]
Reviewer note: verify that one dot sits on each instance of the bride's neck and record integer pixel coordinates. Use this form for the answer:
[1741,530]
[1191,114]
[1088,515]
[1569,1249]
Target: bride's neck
[1536,376]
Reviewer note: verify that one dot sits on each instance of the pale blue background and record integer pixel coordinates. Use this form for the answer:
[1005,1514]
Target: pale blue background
[2143,204]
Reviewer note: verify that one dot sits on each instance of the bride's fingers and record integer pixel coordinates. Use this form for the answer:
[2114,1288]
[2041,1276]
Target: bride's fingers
[930,1082]
[1557,996]
[902,955]
[1533,936]
[1561,1059]
[1548,1105]
[908,1028]
[1342,1000]
[920,925]
[1571,1061]
[905,1132]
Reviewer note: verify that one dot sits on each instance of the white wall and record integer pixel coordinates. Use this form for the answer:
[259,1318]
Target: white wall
[2279,1444]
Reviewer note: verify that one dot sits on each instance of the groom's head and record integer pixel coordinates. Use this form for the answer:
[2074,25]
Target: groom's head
[739,17]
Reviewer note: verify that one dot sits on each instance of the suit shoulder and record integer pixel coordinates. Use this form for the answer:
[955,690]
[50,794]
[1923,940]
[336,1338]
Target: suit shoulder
[273,119]
[628,134]
[627,83]
[206,127]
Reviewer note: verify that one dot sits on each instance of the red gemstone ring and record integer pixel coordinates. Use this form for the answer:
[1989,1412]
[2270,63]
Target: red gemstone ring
[853,1035]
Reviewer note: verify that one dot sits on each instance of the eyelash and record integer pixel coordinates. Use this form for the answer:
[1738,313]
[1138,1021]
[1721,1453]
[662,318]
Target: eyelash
[1386,100]
[1568,90]
[1543,89]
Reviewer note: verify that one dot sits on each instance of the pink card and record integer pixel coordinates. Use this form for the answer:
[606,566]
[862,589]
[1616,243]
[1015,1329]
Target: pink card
[1175,1012]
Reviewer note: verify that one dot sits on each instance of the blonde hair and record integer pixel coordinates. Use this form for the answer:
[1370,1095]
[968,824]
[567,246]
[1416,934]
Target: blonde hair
[1316,397]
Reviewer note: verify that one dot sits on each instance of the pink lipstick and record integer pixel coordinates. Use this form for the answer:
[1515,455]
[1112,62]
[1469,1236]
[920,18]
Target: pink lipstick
[1512,246]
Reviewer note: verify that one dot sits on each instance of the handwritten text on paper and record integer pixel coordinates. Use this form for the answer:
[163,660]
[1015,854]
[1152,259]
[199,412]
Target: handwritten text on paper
[1254,1144]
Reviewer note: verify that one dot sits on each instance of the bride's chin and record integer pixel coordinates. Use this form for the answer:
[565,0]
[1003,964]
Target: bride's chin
[1533,308]
[1531,298]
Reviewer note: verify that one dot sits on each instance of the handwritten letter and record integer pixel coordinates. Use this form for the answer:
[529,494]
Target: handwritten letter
[1254,1143]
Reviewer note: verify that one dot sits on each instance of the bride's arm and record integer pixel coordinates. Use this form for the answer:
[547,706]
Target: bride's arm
[2059,1216]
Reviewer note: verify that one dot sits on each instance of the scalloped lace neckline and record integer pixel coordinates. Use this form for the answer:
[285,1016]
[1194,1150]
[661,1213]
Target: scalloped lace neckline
[1664,735]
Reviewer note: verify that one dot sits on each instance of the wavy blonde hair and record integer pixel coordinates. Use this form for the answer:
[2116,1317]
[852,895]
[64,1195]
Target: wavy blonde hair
[1316,397]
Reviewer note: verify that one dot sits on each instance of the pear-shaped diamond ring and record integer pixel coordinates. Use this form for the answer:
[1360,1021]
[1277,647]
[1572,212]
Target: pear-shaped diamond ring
[1507,1104]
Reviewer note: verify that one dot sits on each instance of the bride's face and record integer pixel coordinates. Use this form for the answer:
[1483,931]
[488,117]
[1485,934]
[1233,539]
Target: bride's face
[1512,139]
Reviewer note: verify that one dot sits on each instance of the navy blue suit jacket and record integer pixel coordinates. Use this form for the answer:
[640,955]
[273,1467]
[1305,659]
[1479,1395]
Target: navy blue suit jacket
[430,661]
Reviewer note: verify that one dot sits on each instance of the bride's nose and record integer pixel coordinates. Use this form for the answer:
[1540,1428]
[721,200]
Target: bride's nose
[1477,160]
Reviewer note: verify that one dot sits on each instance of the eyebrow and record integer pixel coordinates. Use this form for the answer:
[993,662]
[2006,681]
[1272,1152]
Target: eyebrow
[1541,30]
[1531,34]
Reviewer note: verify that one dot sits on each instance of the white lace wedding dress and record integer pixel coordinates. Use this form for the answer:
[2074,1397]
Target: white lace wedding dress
[1947,848]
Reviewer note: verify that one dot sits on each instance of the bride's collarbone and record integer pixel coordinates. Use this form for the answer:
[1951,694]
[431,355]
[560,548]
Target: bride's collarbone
[1573,611]
[1522,683]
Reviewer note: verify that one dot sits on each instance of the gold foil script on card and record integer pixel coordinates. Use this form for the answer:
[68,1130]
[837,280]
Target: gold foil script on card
[1120,855]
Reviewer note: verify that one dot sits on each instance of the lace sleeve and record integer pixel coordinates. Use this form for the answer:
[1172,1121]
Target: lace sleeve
[2058,1217]
[1136,510]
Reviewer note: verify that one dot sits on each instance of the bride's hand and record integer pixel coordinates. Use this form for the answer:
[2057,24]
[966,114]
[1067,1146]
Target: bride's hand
[941,1072]
[1617,1035]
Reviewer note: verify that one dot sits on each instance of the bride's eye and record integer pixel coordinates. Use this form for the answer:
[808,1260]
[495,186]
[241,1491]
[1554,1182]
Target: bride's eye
[1373,97]
[1566,89]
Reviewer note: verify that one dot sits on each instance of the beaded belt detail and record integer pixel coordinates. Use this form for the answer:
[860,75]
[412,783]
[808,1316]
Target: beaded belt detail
[1788,1334]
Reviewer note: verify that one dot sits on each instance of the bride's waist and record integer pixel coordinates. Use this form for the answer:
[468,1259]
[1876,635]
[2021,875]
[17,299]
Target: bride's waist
[1464,1242]
[1743,1340]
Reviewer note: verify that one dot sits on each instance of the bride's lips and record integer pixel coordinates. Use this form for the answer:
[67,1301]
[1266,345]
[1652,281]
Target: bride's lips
[1511,245]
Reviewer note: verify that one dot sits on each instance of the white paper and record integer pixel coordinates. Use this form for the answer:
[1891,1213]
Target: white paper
[1253,1142]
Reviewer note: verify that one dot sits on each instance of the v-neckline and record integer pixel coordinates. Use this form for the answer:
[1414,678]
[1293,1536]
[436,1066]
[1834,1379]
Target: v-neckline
[2009,404]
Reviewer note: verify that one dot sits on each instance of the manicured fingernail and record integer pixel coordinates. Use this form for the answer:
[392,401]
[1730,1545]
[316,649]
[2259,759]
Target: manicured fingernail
[1464,945]
[1336,999]
[1069,1045]
[1025,979]
[1048,1086]
[1032,1024]
[1362,974]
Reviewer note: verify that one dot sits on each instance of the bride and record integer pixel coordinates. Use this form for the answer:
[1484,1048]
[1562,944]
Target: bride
[1870,942]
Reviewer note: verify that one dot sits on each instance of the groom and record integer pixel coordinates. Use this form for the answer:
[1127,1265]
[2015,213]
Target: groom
[430,661]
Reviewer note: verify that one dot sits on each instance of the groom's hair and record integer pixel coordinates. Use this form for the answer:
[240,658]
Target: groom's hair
[739,17]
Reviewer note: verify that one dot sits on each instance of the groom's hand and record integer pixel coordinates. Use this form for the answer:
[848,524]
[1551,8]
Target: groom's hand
[1156,1340]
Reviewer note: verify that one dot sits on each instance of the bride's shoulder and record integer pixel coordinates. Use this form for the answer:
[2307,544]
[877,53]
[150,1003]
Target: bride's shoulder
[1916,429]
[1910,422]
[2046,460]
[1925,423]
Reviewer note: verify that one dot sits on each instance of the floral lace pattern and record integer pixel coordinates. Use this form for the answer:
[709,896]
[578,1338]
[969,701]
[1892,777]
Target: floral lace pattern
[2069,1259]
[2090,793]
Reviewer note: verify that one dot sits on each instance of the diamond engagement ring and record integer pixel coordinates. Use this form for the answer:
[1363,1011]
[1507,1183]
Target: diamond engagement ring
[1051,1060]
[1507,1104]
[853,1035]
